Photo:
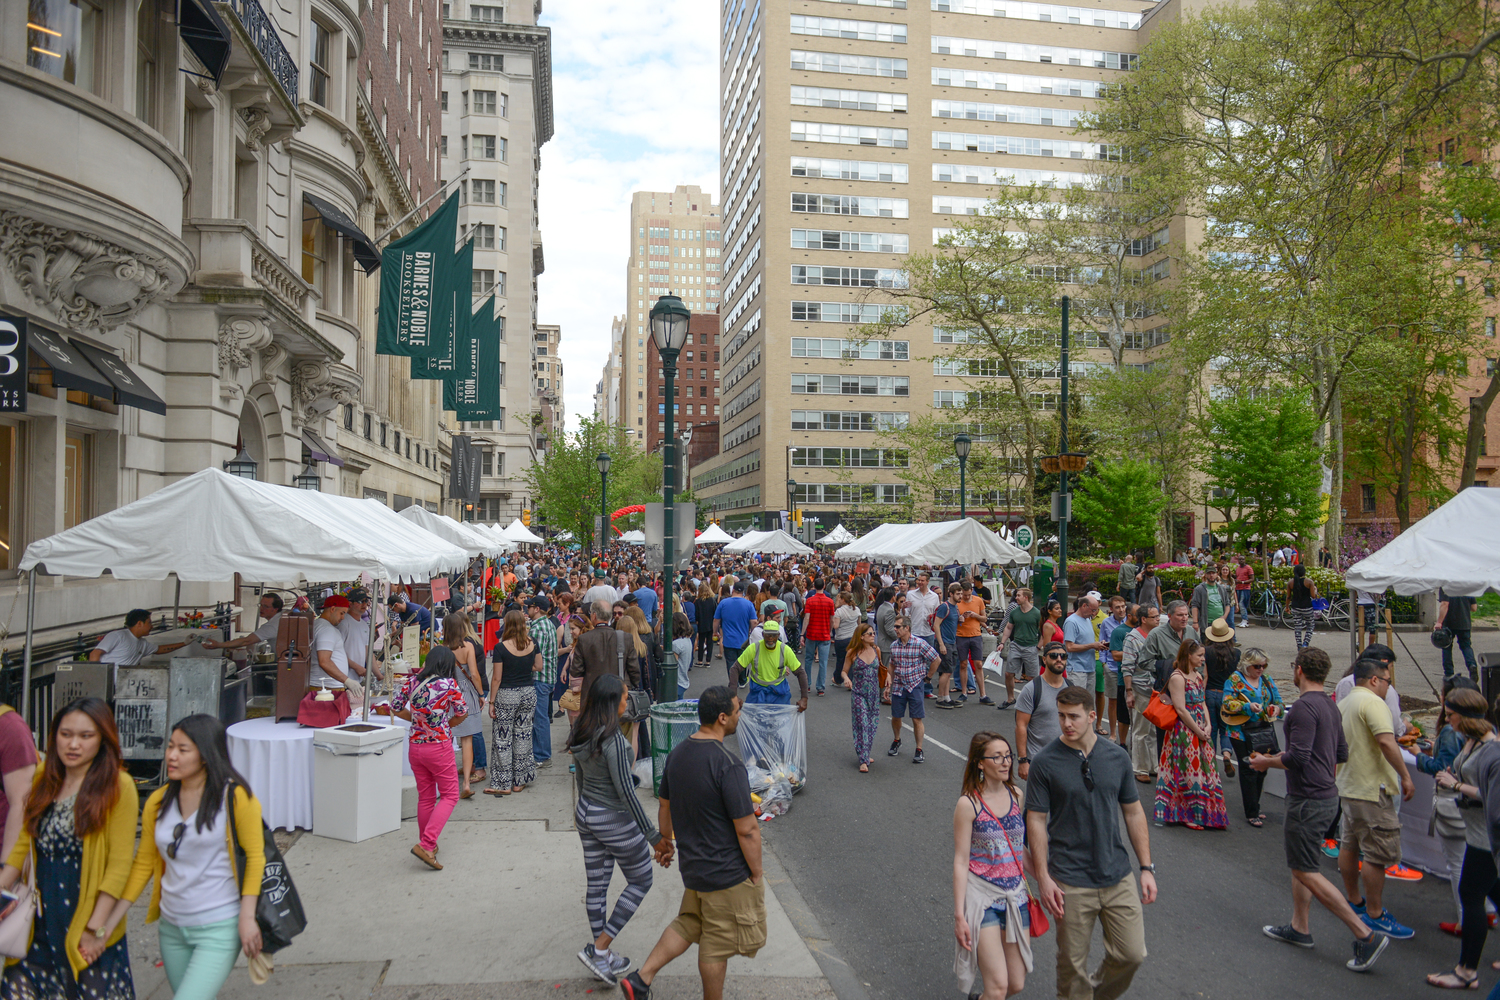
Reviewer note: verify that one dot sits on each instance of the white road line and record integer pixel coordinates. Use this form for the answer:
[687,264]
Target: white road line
[926,738]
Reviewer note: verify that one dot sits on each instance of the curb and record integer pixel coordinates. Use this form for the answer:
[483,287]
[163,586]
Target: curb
[842,979]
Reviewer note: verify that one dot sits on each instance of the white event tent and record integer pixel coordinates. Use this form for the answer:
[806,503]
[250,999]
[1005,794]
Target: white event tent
[1452,548]
[840,535]
[769,543]
[469,537]
[636,537]
[937,544]
[520,534]
[713,535]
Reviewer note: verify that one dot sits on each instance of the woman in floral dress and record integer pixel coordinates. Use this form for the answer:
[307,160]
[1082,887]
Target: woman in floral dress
[862,676]
[1187,781]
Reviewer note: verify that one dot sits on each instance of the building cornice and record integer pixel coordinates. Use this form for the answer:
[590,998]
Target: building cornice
[380,165]
[537,38]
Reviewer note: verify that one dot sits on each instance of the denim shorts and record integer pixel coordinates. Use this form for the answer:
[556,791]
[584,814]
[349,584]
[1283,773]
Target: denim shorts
[995,917]
[908,701]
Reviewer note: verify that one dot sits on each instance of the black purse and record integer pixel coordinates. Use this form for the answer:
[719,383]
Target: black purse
[638,706]
[1262,739]
[278,908]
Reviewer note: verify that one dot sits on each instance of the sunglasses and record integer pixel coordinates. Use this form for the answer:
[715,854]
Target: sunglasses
[1088,776]
[1057,656]
[178,832]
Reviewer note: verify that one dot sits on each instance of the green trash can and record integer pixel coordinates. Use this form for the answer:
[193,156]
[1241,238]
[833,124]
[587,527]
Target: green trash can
[671,723]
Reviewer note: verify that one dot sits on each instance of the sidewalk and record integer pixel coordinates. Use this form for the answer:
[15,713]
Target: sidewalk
[504,919]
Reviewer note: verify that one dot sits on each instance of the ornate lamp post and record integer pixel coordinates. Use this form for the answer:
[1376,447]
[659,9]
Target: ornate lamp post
[602,462]
[308,478]
[669,327]
[1062,464]
[961,445]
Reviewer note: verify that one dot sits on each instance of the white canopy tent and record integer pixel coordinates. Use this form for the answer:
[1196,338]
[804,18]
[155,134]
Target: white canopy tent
[636,537]
[1452,548]
[769,543]
[520,534]
[713,535]
[465,536]
[937,544]
[838,536]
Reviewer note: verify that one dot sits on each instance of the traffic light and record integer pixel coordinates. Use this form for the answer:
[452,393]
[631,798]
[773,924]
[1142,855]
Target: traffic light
[797,518]
[526,518]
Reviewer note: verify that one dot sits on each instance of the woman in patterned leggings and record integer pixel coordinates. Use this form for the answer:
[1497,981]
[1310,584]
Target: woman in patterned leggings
[512,705]
[1300,593]
[862,676]
[611,823]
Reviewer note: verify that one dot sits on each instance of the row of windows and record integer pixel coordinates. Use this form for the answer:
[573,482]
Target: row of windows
[744,432]
[1029,11]
[851,493]
[837,312]
[839,27]
[943,399]
[852,385]
[946,76]
[481,192]
[962,173]
[744,399]
[487,237]
[839,239]
[986,48]
[849,204]
[741,370]
[850,458]
[849,135]
[863,350]
[484,102]
[744,333]
[975,111]
[896,4]
[1019,146]
[853,100]
[850,170]
[729,470]
[846,62]
[848,420]
[849,277]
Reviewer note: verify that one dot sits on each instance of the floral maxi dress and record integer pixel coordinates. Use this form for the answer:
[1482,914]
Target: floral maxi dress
[1187,781]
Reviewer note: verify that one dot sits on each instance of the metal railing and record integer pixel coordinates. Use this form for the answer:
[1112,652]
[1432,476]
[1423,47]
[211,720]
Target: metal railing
[262,31]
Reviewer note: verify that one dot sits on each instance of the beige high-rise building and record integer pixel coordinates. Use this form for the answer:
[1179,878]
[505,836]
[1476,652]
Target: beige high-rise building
[855,134]
[607,390]
[674,249]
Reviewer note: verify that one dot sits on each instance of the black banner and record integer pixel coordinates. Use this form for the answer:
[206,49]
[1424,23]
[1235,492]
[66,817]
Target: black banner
[14,359]
[463,478]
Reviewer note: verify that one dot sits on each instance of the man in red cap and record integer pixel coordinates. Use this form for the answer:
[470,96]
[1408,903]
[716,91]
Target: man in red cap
[330,666]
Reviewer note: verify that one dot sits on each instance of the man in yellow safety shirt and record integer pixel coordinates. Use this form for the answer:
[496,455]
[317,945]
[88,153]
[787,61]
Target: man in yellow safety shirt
[767,665]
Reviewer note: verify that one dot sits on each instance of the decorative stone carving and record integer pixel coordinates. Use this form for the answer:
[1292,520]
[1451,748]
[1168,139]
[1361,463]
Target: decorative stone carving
[310,391]
[87,282]
[239,338]
[257,124]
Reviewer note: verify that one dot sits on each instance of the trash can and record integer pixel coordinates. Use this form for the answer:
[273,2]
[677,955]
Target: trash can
[671,723]
[357,780]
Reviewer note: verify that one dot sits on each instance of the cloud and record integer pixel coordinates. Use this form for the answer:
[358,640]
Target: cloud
[635,92]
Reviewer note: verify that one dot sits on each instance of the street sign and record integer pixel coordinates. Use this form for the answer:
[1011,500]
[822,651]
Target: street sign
[1024,537]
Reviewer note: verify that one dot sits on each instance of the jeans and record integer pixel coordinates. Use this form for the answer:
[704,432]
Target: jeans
[198,960]
[541,726]
[1213,701]
[1461,640]
[705,645]
[818,648]
[437,788]
[1242,597]
[840,647]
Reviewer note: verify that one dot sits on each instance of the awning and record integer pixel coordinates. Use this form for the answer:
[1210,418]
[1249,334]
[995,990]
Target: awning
[70,369]
[364,247]
[129,389]
[205,34]
[321,450]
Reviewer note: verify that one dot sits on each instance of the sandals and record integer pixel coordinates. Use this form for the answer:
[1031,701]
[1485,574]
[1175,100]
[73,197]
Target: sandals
[467,793]
[1257,822]
[864,769]
[496,791]
[1453,981]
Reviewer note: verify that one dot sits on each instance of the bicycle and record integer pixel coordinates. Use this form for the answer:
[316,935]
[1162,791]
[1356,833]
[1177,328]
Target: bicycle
[1267,607]
[1335,614]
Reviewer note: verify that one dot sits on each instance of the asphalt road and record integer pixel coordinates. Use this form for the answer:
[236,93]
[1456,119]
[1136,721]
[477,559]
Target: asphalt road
[872,856]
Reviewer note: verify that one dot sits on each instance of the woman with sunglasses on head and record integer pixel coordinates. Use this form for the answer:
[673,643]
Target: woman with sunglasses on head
[1250,730]
[1187,782]
[189,828]
[990,920]
[861,667]
[77,839]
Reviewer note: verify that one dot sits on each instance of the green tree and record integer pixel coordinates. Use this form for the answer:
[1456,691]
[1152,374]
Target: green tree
[564,484]
[1121,503]
[1263,456]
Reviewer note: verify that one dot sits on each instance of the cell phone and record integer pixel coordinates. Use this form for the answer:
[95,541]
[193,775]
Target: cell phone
[7,897]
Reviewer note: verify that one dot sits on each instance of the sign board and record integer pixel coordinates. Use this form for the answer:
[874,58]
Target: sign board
[601,525]
[411,646]
[14,359]
[1024,537]
[142,723]
[684,520]
[440,591]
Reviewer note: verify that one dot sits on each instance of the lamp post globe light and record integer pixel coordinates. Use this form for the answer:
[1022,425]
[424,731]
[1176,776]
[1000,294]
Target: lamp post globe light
[241,465]
[309,479]
[669,327]
[602,463]
[791,503]
[961,445]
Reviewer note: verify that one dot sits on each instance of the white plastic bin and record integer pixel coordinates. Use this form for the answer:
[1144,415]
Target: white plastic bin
[357,780]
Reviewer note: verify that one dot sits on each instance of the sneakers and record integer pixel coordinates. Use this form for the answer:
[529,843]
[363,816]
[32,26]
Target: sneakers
[1289,934]
[918,758]
[963,697]
[1367,951]
[633,989]
[945,703]
[1007,703]
[1403,873]
[895,748]
[1331,848]
[986,700]
[607,969]
[1451,927]
[1387,925]
[1358,907]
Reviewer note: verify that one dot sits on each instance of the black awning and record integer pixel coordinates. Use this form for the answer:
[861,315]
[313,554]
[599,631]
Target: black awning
[128,388]
[70,369]
[364,247]
[205,34]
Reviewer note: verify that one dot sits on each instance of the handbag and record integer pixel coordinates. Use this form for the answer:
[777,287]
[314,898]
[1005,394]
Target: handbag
[1159,713]
[15,929]
[278,908]
[1262,739]
[638,705]
[1036,917]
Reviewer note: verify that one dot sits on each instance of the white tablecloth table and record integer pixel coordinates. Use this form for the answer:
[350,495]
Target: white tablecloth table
[277,760]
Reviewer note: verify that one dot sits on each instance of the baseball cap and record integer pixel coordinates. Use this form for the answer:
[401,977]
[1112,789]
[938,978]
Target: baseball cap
[336,601]
[358,596]
[538,602]
[1094,595]
[771,628]
[600,574]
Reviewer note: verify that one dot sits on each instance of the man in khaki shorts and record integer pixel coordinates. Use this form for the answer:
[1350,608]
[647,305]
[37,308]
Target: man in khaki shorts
[705,804]
[1368,784]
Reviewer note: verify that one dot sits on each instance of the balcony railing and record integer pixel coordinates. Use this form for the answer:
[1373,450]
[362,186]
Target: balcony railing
[263,32]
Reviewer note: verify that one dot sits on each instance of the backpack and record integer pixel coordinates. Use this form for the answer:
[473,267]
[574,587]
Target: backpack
[1036,688]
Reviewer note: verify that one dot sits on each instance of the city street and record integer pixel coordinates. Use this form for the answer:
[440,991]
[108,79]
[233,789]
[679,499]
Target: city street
[872,856]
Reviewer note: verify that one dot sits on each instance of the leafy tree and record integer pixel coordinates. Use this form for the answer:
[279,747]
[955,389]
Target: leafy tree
[1263,456]
[1121,503]
[564,484]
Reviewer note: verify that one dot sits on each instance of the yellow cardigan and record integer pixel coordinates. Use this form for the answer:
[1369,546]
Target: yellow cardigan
[149,862]
[106,865]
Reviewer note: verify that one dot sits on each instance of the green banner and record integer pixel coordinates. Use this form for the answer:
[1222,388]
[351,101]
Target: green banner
[453,357]
[413,309]
[478,396]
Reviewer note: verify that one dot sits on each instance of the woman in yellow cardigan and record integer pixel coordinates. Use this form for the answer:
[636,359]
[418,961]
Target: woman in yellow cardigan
[78,837]
[207,908]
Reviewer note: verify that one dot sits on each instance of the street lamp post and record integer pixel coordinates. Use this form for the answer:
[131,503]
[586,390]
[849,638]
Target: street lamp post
[602,462]
[961,445]
[791,504]
[669,325]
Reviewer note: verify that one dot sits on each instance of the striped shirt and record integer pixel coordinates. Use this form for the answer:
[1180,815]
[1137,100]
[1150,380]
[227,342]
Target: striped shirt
[544,633]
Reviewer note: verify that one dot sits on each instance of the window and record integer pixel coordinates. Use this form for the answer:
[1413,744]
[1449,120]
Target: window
[851,385]
[848,204]
[481,12]
[1367,498]
[483,147]
[854,100]
[1489,326]
[836,27]
[348,416]
[445,93]
[483,281]
[396,442]
[504,106]
[502,382]
[839,239]
[486,462]
[65,38]
[319,62]
[147,59]
[443,146]
[77,479]
[500,284]
[487,62]
[314,249]
[831,62]
[852,277]
[484,236]
[483,192]
[847,420]
[853,135]
[369,425]
[382,435]
[484,102]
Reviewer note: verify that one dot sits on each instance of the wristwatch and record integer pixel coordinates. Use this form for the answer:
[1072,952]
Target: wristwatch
[1149,868]
[1023,760]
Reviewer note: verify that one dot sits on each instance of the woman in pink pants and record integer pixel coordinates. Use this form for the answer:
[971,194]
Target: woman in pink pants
[434,703]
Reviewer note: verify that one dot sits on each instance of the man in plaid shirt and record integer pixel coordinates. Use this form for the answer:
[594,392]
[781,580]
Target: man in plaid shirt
[913,662]
[544,633]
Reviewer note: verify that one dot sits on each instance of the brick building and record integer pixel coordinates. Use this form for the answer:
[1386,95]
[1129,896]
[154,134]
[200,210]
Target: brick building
[697,388]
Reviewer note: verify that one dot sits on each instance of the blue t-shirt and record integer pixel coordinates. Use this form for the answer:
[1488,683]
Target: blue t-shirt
[416,615]
[1080,630]
[947,620]
[646,598]
[736,617]
[690,609]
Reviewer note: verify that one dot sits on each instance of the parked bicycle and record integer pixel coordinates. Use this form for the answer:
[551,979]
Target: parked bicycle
[1334,614]
[1266,608]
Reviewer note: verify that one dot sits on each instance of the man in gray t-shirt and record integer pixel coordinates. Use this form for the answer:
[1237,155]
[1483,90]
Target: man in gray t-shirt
[1036,707]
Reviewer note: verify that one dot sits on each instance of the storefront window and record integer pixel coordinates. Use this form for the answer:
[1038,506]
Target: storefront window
[63,38]
[77,480]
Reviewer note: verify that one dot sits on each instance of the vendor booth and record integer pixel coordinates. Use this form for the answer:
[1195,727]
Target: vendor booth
[769,543]
[473,538]
[713,535]
[840,535]
[937,544]
[519,534]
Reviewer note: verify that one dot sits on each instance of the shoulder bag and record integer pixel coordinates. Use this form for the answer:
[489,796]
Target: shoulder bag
[1036,916]
[15,929]
[278,908]
[639,704]
[1160,712]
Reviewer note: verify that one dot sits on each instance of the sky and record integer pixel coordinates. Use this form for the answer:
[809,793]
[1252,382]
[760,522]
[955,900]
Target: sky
[635,106]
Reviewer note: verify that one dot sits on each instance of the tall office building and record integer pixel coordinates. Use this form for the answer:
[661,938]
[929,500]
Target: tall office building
[607,390]
[674,249]
[855,134]
[496,98]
